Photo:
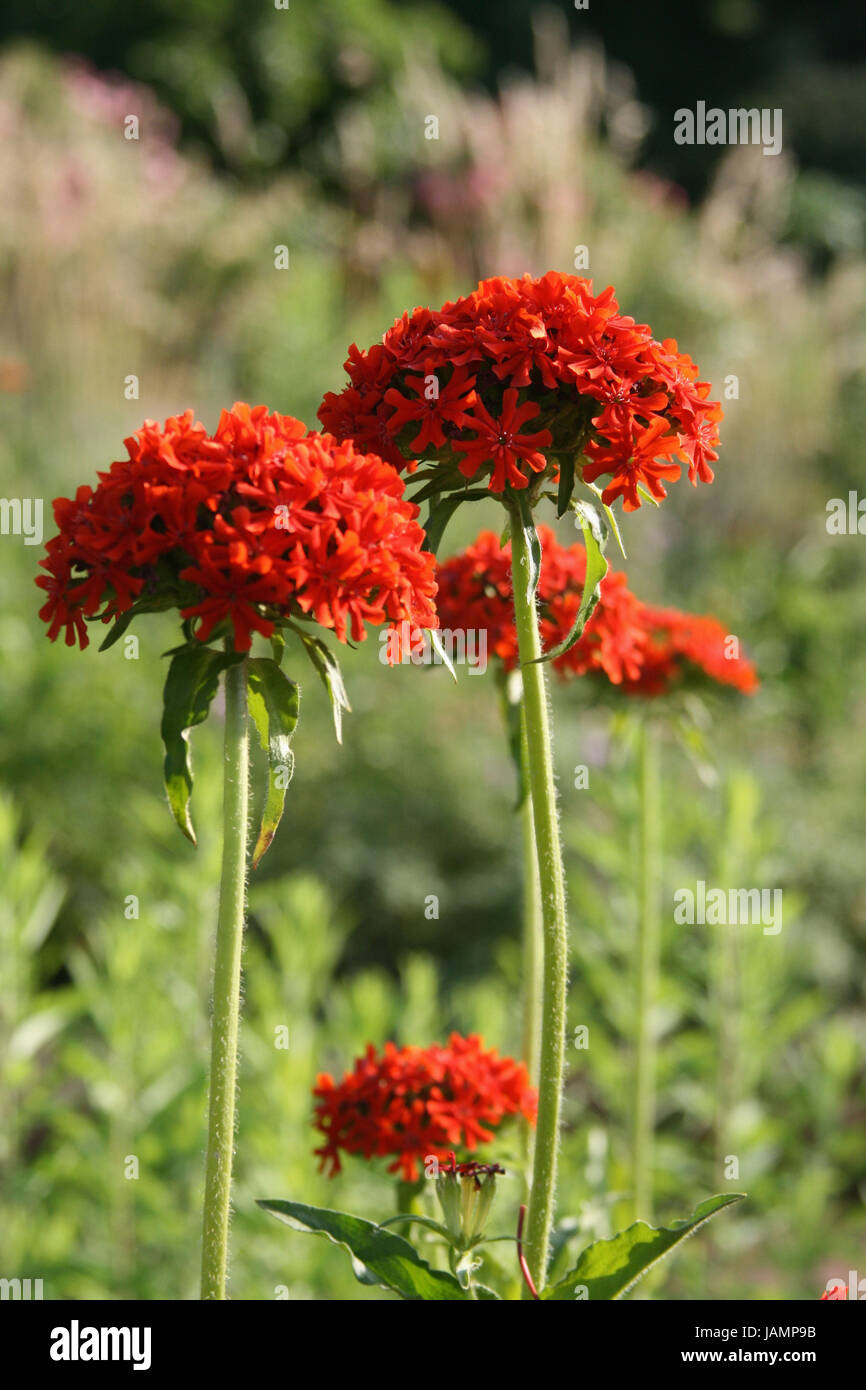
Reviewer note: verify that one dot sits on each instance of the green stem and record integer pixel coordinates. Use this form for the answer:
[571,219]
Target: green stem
[644,1098]
[533,944]
[226,989]
[733,861]
[554,969]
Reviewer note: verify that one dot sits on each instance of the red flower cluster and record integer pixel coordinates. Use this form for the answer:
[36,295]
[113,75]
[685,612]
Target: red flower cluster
[678,645]
[460,385]
[642,649]
[418,1102]
[261,521]
[475,593]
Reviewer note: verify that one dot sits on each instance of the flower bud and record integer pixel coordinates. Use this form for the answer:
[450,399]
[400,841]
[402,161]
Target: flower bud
[466,1192]
[448,1192]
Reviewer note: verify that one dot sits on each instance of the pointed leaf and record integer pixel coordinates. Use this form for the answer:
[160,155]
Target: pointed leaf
[566,485]
[439,647]
[394,1263]
[190,686]
[332,677]
[648,497]
[609,1268]
[440,481]
[273,704]
[611,516]
[595,539]
[441,512]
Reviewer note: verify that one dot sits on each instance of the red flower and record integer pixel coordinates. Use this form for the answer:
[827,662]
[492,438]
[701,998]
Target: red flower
[433,408]
[634,455]
[257,523]
[419,1102]
[500,442]
[641,649]
[603,389]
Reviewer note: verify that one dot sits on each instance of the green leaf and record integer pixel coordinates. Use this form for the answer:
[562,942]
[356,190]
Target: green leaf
[609,1268]
[190,686]
[332,677]
[566,485]
[391,1260]
[439,647]
[533,544]
[595,539]
[647,496]
[436,481]
[611,517]
[273,704]
[442,511]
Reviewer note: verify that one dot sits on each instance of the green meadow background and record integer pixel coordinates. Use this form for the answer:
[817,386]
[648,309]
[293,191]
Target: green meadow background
[155,259]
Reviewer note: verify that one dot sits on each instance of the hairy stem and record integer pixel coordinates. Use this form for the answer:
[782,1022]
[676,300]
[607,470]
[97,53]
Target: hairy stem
[533,943]
[554,966]
[226,989]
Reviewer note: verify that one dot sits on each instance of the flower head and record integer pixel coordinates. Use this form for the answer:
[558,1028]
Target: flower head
[414,1103]
[681,646]
[239,530]
[641,649]
[507,381]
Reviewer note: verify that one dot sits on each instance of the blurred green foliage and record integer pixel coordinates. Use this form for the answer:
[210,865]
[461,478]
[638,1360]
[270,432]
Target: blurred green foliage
[122,259]
[260,87]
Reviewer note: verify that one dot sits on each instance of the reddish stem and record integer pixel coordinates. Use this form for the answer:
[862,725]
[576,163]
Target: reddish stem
[521,1258]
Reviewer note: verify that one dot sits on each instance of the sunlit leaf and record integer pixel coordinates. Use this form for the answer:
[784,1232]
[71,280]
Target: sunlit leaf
[609,1268]
[273,705]
[439,647]
[611,517]
[595,539]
